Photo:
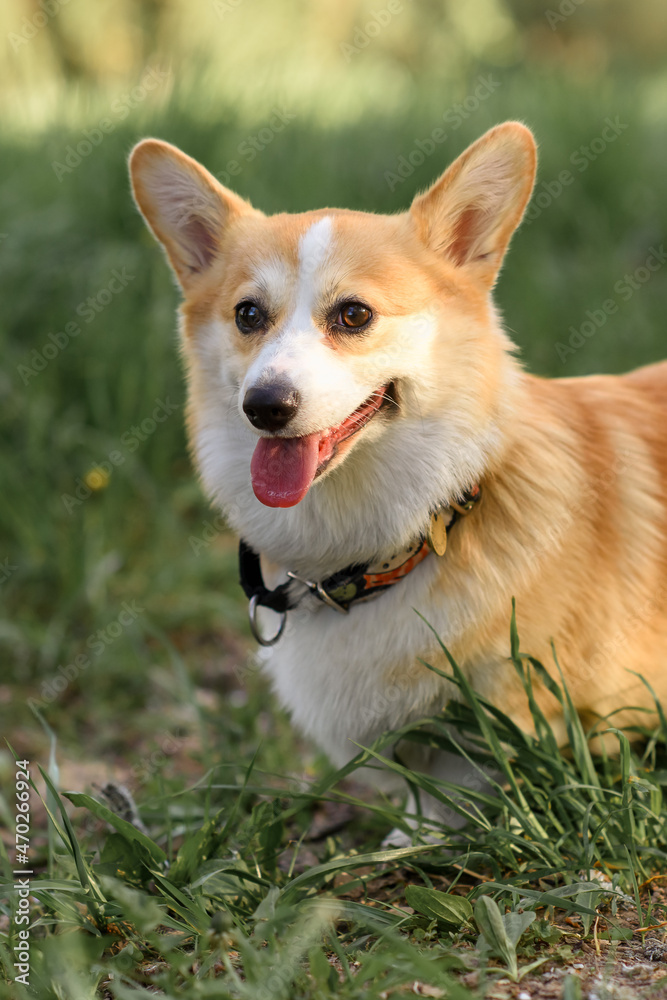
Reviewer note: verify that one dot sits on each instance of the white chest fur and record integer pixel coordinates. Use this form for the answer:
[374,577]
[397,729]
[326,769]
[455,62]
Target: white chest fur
[349,677]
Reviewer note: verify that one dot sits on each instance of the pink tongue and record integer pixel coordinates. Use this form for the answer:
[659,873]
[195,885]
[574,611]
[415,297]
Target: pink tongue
[282,469]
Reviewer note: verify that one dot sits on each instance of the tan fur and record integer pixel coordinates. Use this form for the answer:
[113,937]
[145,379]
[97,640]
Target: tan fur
[573,520]
[578,492]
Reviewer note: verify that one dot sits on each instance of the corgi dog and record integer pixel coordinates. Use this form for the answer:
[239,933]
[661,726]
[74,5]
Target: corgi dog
[357,411]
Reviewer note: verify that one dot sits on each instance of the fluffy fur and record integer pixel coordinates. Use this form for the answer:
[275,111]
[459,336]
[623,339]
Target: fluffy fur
[573,471]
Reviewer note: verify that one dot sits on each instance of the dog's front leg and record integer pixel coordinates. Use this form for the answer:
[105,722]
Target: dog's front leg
[428,813]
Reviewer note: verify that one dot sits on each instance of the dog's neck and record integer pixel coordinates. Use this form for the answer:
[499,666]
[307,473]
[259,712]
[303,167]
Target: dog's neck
[376,502]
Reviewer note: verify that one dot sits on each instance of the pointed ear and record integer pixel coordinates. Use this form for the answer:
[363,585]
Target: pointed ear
[470,213]
[185,207]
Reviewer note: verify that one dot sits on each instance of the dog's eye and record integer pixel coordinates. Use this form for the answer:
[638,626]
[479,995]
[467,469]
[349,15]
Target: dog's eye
[249,317]
[354,315]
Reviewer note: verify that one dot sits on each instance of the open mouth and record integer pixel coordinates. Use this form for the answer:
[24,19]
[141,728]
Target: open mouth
[282,469]
[331,438]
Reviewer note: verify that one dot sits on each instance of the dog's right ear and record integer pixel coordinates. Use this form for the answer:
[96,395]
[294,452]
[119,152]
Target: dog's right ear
[185,207]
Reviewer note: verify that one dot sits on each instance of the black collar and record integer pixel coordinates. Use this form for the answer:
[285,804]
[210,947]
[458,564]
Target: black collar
[354,583]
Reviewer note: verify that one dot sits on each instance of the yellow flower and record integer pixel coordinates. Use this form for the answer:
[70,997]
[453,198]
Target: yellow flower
[96,478]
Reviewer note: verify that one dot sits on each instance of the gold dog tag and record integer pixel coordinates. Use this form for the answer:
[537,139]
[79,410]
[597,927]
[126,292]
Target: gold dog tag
[437,533]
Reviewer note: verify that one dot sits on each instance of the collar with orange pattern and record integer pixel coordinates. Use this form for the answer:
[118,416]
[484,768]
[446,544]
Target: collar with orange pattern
[354,583]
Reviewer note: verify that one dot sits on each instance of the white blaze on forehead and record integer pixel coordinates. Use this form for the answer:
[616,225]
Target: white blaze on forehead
[314,247]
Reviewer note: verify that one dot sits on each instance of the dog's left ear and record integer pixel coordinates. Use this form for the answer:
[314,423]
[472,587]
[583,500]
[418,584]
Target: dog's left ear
[470,213]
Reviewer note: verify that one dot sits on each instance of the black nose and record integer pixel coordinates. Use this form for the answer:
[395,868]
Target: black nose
[270,407]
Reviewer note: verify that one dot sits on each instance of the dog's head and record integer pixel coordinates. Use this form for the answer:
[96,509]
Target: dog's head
[340,355]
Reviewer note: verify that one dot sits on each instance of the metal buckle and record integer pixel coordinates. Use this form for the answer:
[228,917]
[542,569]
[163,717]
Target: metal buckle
[319,591]
[463,508]
[252,618]
[474,496]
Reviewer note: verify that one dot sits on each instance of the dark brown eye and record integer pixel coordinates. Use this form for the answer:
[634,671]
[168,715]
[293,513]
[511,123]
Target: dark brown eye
[353,315]
[249,317]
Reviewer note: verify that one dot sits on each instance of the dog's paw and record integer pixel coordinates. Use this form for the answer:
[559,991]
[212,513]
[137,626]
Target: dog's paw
[426,834]
[397,838]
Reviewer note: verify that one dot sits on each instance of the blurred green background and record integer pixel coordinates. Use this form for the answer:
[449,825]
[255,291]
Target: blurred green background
[312,103]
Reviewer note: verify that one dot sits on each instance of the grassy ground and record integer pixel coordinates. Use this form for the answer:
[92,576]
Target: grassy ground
[260,874]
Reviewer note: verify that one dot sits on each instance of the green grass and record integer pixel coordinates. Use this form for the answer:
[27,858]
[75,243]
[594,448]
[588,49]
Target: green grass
[225,900]
[65,238]
[209,900]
